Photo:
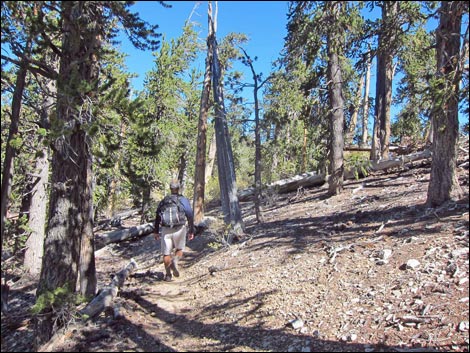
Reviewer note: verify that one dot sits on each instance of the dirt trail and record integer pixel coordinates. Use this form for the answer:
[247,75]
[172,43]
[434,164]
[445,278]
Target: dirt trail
[321,274]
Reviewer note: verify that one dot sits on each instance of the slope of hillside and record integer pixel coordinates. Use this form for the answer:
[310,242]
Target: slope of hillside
[369,270]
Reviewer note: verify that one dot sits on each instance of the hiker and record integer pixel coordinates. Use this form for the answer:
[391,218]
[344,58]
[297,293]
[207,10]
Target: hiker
[172,213]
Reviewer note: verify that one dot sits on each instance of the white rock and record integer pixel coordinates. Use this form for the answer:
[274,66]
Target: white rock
[296,324]
[463,326]
[385,254]
[412,263]
[459,252]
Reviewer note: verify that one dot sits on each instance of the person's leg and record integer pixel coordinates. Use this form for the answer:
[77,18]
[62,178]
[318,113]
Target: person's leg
[180,243]
[167,264]
[174,262]
[166,248]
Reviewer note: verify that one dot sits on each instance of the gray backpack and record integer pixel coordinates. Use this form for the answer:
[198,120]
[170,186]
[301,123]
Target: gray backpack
[172,212]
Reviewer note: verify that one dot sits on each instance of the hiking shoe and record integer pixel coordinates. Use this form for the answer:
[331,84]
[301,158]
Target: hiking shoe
[174,268]
[167,278]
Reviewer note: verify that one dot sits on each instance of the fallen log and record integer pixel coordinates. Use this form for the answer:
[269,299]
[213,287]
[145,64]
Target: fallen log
[105,297]
[115,220]
[353,148]
[400,161]
[123,234]
[313,179]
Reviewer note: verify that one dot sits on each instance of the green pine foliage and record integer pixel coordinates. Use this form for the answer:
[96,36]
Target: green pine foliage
[417,63]
[163,130]
[142,141]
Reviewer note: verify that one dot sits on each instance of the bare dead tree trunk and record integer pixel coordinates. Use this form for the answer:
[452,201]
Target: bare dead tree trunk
[365,109]
[258,185]
[211,159]
[200,173]
[349,137]
[225,162]
[106,296]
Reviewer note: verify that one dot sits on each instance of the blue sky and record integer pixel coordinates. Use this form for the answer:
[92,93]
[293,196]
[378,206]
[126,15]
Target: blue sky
[264,22]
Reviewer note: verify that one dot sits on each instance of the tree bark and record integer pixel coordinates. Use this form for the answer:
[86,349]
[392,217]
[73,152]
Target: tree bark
[37,217]
[258,185]
[385,71]
[444,185]
[69,244]
[349,138]
[106,296]
[312,179]
[39,192]
[115,220]
[200,172]
[123,234]
[225,163]
[210,159]
[336,105]
[146,190]
[365,109]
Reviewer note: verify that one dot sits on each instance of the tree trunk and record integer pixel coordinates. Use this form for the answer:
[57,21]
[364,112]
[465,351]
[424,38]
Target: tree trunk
[365,109]
[116,220]
[146,191]
[258,185]
[10,152]
[444,185]
[336,106]
[106,296]
[200,177]
[225,162]
[385,71]
[304,149]
[115,182]
[312,179]
[355,112]
[211,159]
[39,193]
[112,191]
[183,168]
[69,243]
[124,234]
[37,216]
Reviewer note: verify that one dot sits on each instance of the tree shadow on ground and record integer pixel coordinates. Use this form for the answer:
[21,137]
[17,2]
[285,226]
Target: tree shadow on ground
[223,336]
[352,225]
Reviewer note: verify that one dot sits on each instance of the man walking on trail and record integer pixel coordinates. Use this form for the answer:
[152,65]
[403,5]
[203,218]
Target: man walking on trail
[172,213]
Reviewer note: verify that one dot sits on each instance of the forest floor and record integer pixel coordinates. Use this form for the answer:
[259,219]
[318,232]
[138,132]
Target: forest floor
[370,270]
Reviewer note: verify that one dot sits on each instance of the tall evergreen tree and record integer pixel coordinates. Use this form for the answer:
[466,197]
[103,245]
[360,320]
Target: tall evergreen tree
[171,109]
[69,246]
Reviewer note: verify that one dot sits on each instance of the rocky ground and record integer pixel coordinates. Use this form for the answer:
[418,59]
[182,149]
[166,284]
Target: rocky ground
[369,270]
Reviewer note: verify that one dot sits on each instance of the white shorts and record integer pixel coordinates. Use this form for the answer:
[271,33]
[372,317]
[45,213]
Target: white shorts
[173,238]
